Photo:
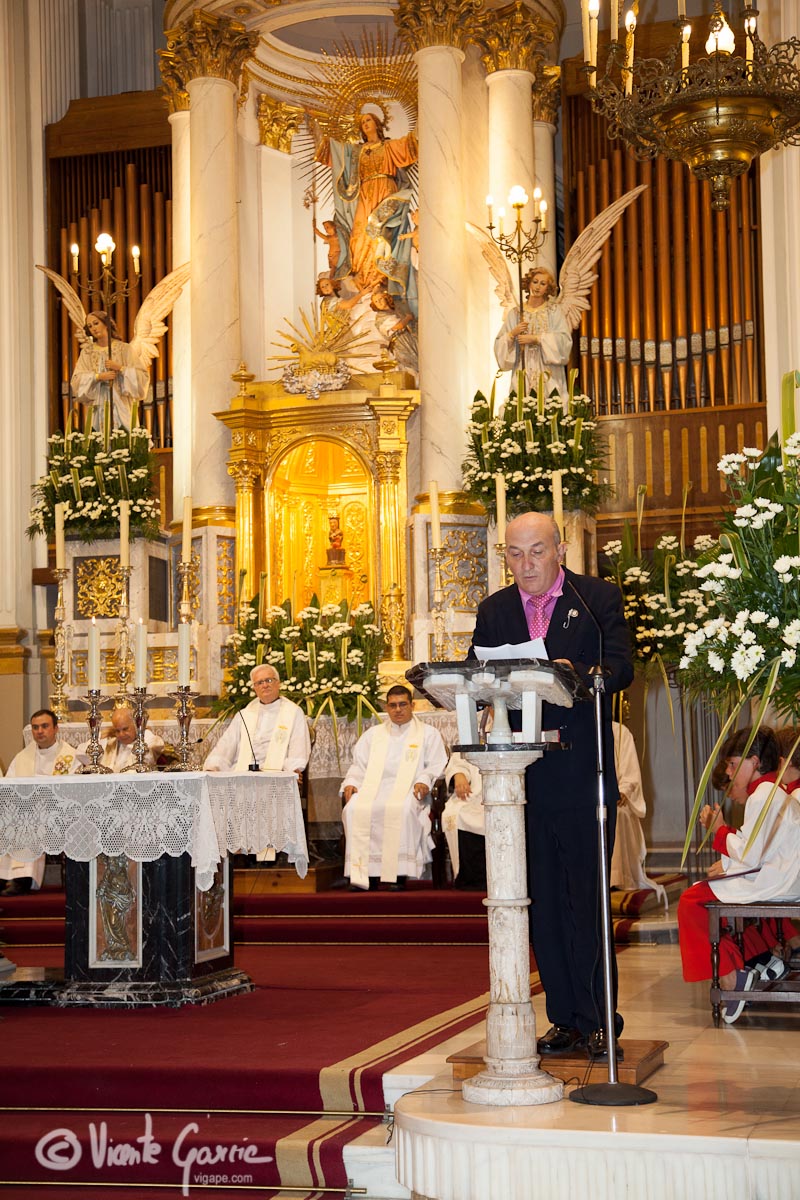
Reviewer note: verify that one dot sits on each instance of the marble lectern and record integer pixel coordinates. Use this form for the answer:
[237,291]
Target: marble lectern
[512,1075]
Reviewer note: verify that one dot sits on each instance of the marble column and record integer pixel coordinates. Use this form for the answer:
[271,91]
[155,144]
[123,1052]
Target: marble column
[210,52]
[437,33]
[546,95]
[181,419]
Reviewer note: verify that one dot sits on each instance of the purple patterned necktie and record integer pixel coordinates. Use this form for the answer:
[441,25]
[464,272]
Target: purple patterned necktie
[534,611]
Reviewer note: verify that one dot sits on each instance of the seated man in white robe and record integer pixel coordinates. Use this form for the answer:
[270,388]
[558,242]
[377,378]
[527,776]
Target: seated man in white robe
[118,746]
[627,871]
[270,731]
[46,755]
[386,813]
[463,821]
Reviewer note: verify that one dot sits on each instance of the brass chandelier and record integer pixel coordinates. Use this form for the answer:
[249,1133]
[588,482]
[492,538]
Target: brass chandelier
[716,114]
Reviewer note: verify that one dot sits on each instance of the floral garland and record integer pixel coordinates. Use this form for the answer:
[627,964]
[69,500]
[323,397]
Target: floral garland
[661,603]
[528,439]
[754,578]
[327,656]
[89,473]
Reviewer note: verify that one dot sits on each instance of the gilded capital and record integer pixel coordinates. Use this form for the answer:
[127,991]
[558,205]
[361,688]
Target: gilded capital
[387,466]
[547,95]
[207,46]
[173,82]
[512,38]
[436,22]
[245,473]
[278,122]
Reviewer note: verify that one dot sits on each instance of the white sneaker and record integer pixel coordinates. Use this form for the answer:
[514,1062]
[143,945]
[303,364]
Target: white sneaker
[733,1009]
[773,970]
[6,964]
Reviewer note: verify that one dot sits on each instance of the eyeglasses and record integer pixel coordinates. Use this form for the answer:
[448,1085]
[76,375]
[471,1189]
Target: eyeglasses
[262,682]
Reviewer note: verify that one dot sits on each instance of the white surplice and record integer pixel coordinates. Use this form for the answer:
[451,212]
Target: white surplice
[261,722]
[415,842]
[468,814]
[56,760]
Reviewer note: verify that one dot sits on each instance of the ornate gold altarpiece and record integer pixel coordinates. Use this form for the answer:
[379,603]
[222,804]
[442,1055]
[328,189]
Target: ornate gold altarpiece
[297,461]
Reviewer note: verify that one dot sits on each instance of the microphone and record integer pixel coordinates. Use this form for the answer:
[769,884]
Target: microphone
[253,766]
[592,618]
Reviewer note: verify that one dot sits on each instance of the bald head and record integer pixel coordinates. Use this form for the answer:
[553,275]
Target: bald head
[534,551]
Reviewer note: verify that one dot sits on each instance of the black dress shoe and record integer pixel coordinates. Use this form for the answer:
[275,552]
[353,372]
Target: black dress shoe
[559,1039]
[19,887]
[596,1046]
[399,884]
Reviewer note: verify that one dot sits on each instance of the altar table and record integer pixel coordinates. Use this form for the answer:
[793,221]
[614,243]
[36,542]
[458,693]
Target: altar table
[149,897]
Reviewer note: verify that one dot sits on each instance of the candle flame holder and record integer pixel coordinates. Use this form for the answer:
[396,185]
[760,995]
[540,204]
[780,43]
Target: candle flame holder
[124,655]
[184,711]
[139,746]
[438,615]
[58,701]
[94,749]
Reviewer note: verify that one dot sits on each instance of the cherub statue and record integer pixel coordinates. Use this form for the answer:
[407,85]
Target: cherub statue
[538,340]
[108,368]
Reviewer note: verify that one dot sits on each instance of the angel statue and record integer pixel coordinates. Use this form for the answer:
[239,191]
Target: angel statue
[108,368]
[538,339]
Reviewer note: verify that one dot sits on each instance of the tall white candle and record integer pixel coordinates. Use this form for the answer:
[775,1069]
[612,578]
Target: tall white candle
[500,500]
[558,502]
[436,522]
[186,546]
[124,533]
[61,551]
[140,672]
[587,54]
[594,15]
[614,31]
[184,630]
[93,658]
[630,25]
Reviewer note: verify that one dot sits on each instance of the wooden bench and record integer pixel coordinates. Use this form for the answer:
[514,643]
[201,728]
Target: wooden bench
[785,991]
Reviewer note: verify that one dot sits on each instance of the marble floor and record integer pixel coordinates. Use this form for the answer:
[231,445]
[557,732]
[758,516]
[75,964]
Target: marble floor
[726,1123]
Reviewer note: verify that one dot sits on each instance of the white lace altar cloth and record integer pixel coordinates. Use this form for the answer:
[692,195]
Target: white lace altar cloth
[145,816]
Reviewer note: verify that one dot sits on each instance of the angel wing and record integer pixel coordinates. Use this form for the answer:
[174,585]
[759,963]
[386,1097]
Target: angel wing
[497,264]
[71,300]
[576,277]
[149,327]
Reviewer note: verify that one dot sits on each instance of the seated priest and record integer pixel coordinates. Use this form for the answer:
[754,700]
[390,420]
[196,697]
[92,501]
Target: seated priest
[386,818]
[118,746]
[464,824]
[271,731]
[627,871]
[46,755]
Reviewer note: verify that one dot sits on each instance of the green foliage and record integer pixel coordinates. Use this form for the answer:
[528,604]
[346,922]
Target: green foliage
[327,657]
[90,474]
[528,439]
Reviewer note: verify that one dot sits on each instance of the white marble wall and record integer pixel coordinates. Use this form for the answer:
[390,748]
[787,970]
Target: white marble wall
[181,313]
[442,327]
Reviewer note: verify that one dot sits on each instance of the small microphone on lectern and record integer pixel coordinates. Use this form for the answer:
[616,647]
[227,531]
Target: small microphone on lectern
[253,766]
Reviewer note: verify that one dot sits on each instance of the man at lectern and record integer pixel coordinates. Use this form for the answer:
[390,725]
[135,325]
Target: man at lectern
[581,620]
[271,731]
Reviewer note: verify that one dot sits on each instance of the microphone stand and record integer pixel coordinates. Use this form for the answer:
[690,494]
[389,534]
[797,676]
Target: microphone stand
[612,1092]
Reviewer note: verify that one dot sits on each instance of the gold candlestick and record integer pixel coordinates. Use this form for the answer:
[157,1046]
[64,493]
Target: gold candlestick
[94,749]
[440,638]
[58,701]
[500,551]
[124,656]
[185,602]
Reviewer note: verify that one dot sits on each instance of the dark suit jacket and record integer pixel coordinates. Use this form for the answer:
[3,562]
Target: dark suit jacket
[567,778]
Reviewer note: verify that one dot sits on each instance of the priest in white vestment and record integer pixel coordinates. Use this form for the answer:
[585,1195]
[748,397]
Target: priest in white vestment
[46,755]
[464,811]
[386,815]
[118,746]
[271,731]
[627,862]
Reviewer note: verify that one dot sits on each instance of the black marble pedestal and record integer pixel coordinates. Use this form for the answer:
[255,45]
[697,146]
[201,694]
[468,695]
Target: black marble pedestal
[139,935]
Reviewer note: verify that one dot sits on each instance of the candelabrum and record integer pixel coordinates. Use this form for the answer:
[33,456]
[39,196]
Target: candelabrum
[139,746]
[57,699]
[438,612]
[124,656]
[184,710]
[107,287]
[94,749]
[521,245]
[500,551]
